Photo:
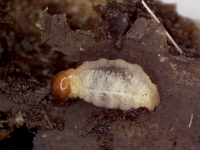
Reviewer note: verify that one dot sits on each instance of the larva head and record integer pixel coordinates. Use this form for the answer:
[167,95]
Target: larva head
[61,86]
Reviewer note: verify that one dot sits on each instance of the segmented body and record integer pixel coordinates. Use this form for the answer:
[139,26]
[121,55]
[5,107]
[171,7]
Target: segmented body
[114,84]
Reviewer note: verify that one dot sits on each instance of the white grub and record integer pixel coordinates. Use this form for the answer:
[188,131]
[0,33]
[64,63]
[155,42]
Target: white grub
[113,84]
[190,121]
[168,35]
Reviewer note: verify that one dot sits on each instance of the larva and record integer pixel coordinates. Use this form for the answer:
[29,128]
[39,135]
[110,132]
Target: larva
[108,83]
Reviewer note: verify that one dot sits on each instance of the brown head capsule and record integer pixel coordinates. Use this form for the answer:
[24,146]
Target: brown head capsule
[61,86]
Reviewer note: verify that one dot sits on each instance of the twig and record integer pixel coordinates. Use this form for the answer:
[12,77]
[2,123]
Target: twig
[190,121]
[170,38]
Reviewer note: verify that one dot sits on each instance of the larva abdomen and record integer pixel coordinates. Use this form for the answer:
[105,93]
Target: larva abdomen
[115,84]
